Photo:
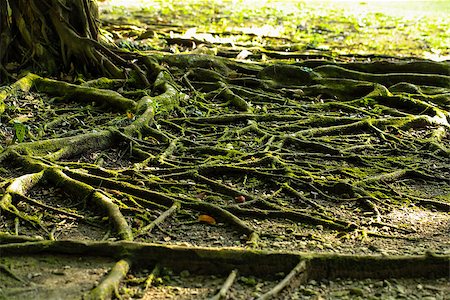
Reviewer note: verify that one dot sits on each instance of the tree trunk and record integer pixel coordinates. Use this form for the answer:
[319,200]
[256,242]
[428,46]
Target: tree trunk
[53,35]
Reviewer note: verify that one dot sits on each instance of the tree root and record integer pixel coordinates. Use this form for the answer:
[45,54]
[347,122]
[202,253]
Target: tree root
[253,262]
[309,147]
[10,273]
[110,284]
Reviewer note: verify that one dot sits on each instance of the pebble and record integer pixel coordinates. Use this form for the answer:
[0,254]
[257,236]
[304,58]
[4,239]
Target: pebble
[356,291]
[59,272]
[185,274]
[378,284]
[401,289]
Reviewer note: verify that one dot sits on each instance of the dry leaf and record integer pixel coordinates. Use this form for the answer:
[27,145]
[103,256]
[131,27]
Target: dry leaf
[130,115]
[207,219]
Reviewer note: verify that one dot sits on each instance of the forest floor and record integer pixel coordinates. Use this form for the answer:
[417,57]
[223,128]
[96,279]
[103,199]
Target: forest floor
[312,132]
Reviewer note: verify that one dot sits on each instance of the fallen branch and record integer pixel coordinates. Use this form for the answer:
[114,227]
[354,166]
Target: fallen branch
[226,286]
[110,284]
[299,269]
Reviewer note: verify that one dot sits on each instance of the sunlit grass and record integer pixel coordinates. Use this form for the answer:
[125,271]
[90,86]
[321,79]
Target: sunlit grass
[400,28]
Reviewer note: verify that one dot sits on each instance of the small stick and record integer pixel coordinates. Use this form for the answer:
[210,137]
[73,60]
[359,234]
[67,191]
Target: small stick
[9,272]
[226,286]
[299,268]
[253,239]
[16,226]
[52,233]
[159,220]
[49,207]
[110,284]
[294,192]
[151,277]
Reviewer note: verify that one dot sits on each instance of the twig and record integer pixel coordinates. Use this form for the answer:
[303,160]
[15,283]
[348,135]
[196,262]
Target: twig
[302,197]
[226,286]
[111,282]
[151,277]
[148,228]
[299,269]
[10,273]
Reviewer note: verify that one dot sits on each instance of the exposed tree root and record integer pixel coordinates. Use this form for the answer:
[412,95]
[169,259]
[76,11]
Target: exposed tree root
[7,271]
[238,144]
[110,284]
[50,34]
[250,262]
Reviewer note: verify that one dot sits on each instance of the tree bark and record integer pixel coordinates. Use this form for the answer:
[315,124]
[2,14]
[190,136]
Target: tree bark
[53,36]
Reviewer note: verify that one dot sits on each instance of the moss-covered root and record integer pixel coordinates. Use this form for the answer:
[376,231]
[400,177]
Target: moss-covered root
[166,101]
[236,100]
[69,91]
[84,191]
[249,262]
[60,148]
[110,284]
[19,187]
[24,84]
[299,269]
[225,216]
[73,92]
[113,211]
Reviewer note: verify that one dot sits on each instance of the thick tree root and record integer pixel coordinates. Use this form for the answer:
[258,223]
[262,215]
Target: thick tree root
[248,262]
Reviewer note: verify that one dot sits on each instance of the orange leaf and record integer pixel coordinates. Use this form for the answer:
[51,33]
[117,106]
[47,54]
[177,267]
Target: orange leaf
[207,219]
[130,115]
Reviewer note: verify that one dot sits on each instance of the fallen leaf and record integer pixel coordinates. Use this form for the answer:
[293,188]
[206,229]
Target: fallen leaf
[207,219]
[130,115]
